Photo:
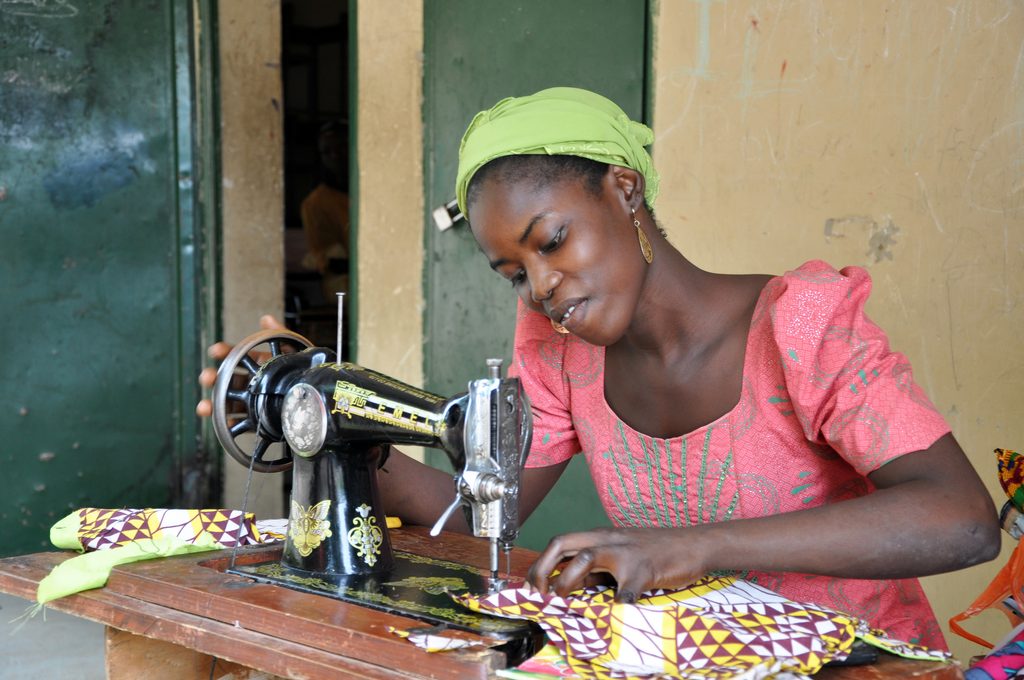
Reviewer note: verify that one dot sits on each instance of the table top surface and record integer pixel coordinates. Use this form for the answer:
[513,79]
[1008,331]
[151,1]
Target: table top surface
[190,601]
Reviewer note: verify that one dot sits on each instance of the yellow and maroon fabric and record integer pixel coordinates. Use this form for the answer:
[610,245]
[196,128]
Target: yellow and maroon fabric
[108,528]
[110,537]
[717,628]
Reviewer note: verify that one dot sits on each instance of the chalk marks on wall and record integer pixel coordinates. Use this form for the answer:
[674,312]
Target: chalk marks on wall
[44,9]
[703,43]
[995,176]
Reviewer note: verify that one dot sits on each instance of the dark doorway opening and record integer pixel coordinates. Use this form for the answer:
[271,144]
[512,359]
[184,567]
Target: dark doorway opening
[315,68]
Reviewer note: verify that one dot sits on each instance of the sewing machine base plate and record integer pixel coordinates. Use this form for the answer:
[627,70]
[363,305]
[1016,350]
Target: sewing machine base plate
[417,587]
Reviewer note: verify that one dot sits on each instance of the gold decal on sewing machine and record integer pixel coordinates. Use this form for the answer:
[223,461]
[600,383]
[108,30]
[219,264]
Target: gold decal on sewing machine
[308,527]
[365,536]
[402,593]
[451,566]
[407,389]
[435,585]
[351,400]
[348,397]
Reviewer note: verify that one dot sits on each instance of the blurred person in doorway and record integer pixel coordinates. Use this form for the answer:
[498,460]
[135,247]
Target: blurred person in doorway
[325,213]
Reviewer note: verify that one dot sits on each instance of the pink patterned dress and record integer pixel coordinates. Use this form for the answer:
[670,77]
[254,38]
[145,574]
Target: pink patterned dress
[824,402]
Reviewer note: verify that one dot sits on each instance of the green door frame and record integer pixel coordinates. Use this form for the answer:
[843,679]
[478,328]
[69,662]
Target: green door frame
[199,302]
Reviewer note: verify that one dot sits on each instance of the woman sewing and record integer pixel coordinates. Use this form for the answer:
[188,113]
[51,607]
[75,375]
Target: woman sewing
[757,424]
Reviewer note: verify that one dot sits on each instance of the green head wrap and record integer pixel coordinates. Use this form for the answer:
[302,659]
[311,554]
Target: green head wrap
[563,121]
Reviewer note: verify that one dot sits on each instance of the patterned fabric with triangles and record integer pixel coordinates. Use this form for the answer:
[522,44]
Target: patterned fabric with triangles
[716,628]
[105,528]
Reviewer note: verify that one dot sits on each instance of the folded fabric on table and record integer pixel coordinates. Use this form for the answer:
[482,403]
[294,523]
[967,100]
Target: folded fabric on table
[120,536]
[720,627]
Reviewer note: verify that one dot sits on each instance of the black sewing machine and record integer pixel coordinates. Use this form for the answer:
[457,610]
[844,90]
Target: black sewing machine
[336,422]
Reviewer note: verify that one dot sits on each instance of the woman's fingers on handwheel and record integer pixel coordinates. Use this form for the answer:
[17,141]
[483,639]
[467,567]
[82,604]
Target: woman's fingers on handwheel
[271,323]
[208,376]
[218,350]
[204,409]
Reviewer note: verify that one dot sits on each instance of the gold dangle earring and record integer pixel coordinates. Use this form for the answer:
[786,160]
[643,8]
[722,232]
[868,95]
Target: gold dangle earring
[645,245]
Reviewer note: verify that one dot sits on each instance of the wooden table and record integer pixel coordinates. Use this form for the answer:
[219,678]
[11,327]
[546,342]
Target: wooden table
[182,618]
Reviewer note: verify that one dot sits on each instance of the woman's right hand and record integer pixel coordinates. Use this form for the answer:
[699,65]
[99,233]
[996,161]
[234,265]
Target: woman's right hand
[217,352]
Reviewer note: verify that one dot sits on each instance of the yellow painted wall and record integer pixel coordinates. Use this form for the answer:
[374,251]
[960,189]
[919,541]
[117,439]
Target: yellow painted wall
[253,198]
[883,134]
[389,149]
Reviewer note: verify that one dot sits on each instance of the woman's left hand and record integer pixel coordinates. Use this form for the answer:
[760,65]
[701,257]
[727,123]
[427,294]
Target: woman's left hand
[638,560]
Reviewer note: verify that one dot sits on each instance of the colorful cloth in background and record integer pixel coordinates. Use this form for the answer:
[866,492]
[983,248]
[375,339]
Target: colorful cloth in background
[559,121]
[716,628]
[1011,475]
[1007,661]
[120,536]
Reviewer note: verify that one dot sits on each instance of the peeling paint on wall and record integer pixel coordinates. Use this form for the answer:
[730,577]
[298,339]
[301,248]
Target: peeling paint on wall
[85,182]
[97,166]
[881,233]
[882,240]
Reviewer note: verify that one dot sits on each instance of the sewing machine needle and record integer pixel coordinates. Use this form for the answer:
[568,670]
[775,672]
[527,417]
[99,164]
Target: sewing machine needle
[494,559]
[341,312]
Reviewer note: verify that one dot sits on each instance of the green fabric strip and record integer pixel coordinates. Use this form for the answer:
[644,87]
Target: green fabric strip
[64,534]
[92,570]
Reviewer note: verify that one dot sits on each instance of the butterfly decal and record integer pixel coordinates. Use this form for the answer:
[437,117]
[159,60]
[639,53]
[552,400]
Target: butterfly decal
[308,527]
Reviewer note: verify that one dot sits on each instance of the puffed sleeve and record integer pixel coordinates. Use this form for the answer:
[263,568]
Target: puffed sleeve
[848,388]
[537,358]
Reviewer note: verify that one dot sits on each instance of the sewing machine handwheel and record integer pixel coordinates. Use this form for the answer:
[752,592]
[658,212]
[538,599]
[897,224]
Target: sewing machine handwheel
[228,432]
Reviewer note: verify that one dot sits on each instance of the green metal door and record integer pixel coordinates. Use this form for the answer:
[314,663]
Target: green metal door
[98,268]
[475,54]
